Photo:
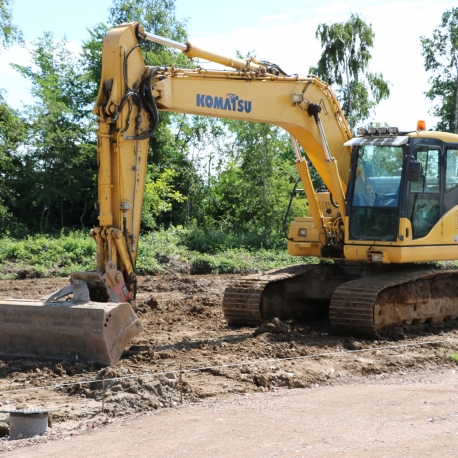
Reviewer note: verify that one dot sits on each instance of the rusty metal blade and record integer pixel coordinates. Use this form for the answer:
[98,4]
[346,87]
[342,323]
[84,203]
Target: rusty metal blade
[92,331]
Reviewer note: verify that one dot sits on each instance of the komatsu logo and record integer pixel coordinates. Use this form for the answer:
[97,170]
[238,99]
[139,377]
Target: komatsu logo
[230,103]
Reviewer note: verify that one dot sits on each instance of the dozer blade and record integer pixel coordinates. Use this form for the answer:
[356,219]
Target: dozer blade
[92,331]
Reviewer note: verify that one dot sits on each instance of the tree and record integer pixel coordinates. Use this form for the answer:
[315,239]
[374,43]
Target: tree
[250,192]
[10,124]
[9,33]
[344,62]
[55,187]
[167,150]
[11,134]
[441,60]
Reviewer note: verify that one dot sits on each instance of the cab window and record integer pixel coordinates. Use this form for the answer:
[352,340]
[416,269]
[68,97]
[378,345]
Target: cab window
[430,161]
[424,198]
[451,164]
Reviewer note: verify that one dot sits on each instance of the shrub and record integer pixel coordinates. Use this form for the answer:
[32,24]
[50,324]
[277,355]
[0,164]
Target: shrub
[159,252]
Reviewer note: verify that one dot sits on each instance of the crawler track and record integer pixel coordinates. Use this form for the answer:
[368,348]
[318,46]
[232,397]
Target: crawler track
[380,302]
[365,306]
[242,301]
[353,303]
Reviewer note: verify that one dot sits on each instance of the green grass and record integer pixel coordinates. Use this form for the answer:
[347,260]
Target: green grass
[47,255]
[454,357]
[159,252]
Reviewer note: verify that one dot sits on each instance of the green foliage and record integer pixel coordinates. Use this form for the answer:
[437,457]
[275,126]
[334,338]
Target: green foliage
[47,255]
[159,252]
[9,33]
[242,261]
[91,56]
[213,239]
[12,131]
[344,62]
[55,186]
[163,251]
[159,195]
[250,191]
[454,357]
[440,53]
[198,138]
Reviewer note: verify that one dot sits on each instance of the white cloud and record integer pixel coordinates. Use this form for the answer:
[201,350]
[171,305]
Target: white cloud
[288,39]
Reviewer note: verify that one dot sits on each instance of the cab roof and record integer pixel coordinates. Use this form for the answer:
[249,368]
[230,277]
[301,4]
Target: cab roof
[398,140]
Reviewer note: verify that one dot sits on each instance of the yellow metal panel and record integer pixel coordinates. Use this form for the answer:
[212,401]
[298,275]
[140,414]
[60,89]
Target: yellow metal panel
[267,100]
[313,231]
[444,136]
[400,255]
[304,173]
[304,249]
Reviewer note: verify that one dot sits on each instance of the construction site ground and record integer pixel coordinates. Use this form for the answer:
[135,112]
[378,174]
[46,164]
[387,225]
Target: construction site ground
[404,381]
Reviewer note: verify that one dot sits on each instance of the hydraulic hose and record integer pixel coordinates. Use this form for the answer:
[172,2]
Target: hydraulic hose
[147,101]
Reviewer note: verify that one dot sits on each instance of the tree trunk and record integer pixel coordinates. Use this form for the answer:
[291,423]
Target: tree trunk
[82,215]
[61,212]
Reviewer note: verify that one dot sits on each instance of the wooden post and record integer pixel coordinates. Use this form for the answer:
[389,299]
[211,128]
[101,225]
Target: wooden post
[181,386]
[103,394]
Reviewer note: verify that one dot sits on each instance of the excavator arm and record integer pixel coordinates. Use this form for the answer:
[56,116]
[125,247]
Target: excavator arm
[291,102]
[130,96]
[305,106]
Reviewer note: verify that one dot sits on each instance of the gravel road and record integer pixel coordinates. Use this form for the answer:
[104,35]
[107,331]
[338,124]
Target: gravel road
[412,416]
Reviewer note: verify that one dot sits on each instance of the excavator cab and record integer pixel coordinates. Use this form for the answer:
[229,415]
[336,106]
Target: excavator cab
[401,185]
[374,194]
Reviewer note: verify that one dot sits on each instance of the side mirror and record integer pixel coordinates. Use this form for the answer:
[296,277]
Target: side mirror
[414,170]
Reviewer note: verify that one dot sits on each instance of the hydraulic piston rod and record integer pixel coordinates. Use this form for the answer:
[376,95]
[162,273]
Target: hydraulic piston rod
[165,41]
[193,51]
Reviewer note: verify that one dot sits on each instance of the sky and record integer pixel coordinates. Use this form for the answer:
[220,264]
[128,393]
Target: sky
[280,32]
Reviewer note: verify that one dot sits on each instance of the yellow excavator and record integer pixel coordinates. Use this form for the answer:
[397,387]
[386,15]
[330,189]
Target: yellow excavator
[391,208]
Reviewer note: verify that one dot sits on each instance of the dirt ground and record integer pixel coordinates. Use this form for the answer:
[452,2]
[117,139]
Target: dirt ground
[184,329]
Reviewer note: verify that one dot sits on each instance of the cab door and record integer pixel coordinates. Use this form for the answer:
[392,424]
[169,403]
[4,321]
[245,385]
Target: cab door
[424,202]
[450,197]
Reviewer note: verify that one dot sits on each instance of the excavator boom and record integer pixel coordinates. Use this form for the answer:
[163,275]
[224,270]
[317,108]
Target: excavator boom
[392,202]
